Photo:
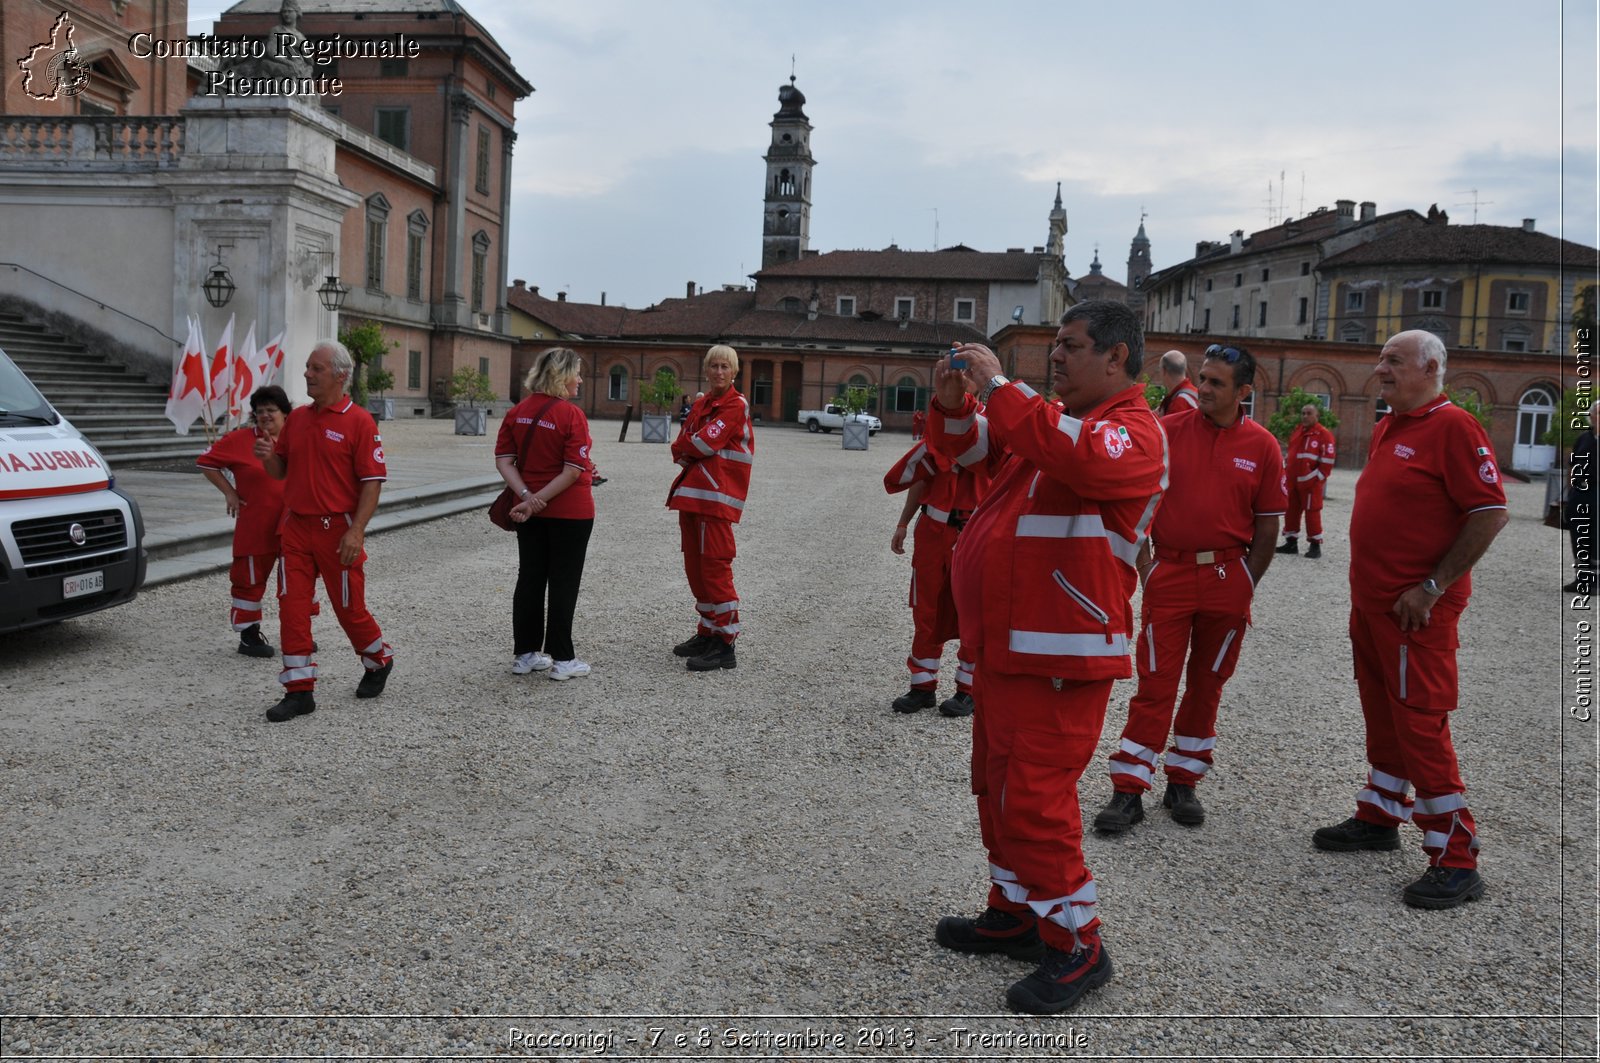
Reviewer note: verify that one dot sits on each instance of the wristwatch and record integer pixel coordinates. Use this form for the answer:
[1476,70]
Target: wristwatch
[1432,587]
[996,381]
[525,493]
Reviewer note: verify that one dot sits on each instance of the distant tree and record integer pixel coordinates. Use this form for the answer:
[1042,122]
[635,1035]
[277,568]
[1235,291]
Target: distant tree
[1286,417]
[366,345]
[1571,420]
[1154,394]
[1469,400]
[660,391]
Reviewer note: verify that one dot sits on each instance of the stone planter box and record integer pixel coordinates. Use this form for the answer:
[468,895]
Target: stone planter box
[857,435]
[472,421]
[381,409]
[655,428]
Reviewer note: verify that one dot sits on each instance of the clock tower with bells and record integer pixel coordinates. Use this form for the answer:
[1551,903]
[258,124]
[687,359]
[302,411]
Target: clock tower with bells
[786,225]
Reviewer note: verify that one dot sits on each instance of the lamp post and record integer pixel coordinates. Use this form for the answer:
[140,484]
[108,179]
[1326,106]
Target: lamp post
[219,287]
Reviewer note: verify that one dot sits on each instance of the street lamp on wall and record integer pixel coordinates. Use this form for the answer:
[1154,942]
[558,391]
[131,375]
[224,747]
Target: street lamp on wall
[219,287]
[331,293]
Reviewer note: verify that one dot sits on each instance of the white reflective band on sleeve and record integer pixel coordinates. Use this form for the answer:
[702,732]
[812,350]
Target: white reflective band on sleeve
[1308,454]
[1070,427]
[1055,644]
[1327,459]
[1438,806]
[1217,664]
[1385,804]
[737,455]
[912,460]
[1194,745]
[247,606]
[1134,749]
[1138,771]
[710,496]
[1199,767]
[959,426]
[1025,389]
[979,450]
[702,446]
[1388,782]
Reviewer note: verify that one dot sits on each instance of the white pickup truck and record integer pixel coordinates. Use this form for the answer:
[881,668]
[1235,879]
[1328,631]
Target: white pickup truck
[830,417]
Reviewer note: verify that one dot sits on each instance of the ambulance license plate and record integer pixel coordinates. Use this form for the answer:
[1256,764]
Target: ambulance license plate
[83,583]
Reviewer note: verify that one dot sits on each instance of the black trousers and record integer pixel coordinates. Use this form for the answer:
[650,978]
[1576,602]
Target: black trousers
[550,554]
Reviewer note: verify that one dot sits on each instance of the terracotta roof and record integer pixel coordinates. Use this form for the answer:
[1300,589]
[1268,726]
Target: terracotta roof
[584,320]
[1441,243]
[792,326]
[961,263]
[705,316]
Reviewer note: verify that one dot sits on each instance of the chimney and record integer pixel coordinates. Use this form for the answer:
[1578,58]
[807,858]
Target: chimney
[603,303]
[1347,213]
[689,294]
[561,297]
[1527,225]
[1369,210]
[534,289]
[519,283]
[1236,242]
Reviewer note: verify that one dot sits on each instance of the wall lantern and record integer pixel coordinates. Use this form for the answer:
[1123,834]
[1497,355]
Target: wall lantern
[331,293]
[219,287]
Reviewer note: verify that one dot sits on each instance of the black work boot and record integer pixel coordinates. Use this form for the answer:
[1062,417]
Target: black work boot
[915,700]
[1061,979]
[1354,834]
[720,655]
[372,683]
[694,647]
[1444,887]
[294,703]
[958,704]
[993,931]
[1184,803]
[1290,546]
[251,644]
[1313,550]
[1120,813]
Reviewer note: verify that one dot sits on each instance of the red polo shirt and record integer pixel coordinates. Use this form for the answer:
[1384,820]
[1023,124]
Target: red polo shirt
[260,496]
[545,445]
[1427,470]
[330,453]
[1219,481]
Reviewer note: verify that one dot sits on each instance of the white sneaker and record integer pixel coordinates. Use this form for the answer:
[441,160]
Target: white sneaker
[530,662]
[568,670]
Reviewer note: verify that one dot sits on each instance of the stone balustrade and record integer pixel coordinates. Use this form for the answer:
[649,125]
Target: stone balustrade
[91,142]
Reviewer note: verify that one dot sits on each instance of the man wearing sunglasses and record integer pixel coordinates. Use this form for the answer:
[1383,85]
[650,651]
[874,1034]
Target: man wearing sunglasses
[1427,506]
[1042,577]
[1175,378]
[1211,544]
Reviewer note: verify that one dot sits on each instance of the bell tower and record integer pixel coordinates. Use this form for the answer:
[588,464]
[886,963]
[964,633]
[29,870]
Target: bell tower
[1138,266]
[786,224]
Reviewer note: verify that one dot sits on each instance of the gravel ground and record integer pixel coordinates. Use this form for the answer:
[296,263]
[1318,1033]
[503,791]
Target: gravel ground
[480,863]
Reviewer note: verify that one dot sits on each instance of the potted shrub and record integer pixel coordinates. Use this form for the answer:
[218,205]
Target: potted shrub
[380,380]
[855,401]
[658,395]
[471,387]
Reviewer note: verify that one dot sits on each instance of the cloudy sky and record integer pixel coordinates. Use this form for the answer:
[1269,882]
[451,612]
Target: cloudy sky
[638,161]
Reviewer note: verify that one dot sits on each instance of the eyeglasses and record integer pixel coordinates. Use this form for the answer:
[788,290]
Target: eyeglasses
[1227,354]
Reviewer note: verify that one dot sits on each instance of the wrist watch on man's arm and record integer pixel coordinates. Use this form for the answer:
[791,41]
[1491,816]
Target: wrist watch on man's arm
[1431,586]
[996,381]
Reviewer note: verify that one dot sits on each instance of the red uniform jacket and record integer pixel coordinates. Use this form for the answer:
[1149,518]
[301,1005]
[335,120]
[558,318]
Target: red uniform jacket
[1310,455]
[721,445]
[952,488]
[1183,397]
[260,496]
[1050,551]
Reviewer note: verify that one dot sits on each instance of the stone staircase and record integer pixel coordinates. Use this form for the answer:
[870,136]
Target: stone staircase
[121,412]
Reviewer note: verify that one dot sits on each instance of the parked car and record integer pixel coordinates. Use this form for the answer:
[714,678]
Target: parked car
[70,542]
[830,417]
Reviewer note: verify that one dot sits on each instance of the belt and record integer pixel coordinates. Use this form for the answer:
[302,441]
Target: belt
[1201,557]
[956,518]
[325,519]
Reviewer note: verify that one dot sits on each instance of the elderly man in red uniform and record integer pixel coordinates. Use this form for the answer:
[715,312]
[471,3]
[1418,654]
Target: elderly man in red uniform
[1212,542]
[1311,456]
[1181,394]
[1044,571]
[331,457]
[1427,506]
[946,493]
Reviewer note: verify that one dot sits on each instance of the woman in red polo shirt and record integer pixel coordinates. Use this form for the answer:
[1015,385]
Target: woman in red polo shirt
[255,501]
[543,455]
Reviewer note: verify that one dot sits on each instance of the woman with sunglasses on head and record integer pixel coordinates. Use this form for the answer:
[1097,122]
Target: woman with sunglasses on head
[255,501]
[542,453]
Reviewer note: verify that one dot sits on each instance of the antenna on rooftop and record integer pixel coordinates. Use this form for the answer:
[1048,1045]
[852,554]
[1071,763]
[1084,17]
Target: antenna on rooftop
[935,227]
[1476,202]
[1302,211]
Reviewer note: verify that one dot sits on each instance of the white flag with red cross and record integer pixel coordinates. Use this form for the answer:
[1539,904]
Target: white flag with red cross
[186,397]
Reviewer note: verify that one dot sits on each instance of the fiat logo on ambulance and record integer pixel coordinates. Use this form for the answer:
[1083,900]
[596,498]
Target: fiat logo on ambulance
[77,535]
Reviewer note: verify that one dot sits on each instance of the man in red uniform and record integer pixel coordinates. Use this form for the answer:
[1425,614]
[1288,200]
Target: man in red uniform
[1043,575]
[946,494]
[1311,459]
[1212,542]
[1427,506]
[1175,378]
[331,457]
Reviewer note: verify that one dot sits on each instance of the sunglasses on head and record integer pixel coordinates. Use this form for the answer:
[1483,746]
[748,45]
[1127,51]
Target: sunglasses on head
[1227,354]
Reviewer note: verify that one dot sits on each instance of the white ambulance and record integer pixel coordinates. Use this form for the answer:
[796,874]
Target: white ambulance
[70,542]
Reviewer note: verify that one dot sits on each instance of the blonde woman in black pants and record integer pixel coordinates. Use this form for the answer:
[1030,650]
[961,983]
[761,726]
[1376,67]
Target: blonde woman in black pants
[543,455]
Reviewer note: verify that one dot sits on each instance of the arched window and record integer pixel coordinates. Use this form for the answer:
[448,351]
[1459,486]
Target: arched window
[786,185]
[1535,411]
[906,396]
[618,389]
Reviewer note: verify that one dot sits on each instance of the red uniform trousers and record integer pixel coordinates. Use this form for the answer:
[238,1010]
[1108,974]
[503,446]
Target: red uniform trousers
[1193,609]
[1408,686]
[1031,741]
[248,574]
[1306,495]
[311,549]
[933,606]
[708,553]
